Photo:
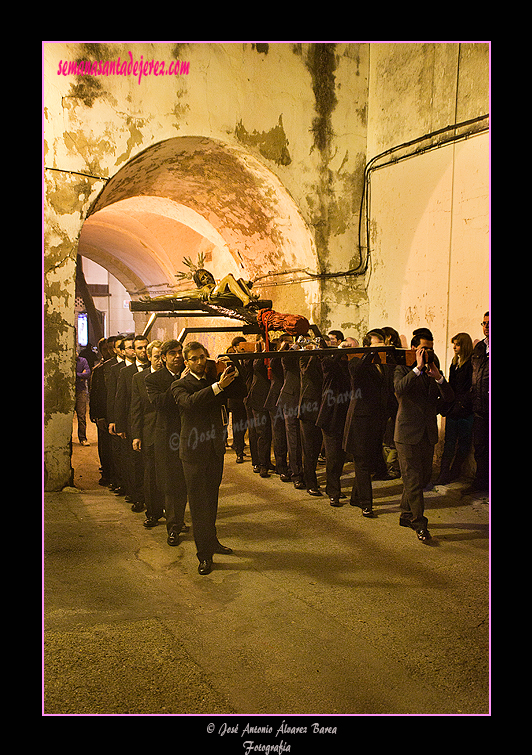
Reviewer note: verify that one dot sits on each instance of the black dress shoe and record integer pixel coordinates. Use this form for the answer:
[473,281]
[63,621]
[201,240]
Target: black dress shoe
[240,458]
[368,512]
[264,472]
[335,502]
[284,477]
[223,549]
[256,468]
[314,491]
[205,567]
[299,485]
[423,535]
[137,507]
[405,522]
[150,522]
[173,537]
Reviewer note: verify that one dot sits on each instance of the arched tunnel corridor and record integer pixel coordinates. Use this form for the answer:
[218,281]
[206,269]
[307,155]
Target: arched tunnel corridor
[192,195]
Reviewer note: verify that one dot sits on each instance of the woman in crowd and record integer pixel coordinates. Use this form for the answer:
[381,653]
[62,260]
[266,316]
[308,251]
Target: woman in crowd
[459,415]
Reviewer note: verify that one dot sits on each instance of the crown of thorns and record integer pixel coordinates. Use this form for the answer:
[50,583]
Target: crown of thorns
[192,267]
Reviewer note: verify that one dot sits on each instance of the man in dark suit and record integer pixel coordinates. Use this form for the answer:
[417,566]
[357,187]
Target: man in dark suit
[246,371]
[421,391]
[279,441]
[481,407]
[288,403]
[202,402]
[364,425]
[143,414]
[98,409]
[256,400]
[134,473]
[168,466]
[310,394]
[238,412]
[125,357]
[331,419]
[116,354]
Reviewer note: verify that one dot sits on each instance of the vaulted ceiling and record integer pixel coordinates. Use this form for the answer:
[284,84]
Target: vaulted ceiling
[189,195]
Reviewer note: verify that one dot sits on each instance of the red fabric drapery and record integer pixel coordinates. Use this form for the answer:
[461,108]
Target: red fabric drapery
[294,325]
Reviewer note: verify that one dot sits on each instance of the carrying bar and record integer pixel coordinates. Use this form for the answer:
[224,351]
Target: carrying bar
[399,356]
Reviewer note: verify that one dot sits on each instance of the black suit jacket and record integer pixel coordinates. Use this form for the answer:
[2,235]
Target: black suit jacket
[203,420]
[311,388]
[142,411]
[167,429]
[276,383]
[123,398]
[289,394]
[367,411]
[98,391]
[480,378]
[335,396]
[420,399]
[113,375]
[260,386]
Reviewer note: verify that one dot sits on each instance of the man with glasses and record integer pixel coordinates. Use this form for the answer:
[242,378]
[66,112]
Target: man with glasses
[421,392]
[202,401]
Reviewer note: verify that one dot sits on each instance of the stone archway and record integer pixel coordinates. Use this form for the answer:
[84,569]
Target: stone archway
[192,194]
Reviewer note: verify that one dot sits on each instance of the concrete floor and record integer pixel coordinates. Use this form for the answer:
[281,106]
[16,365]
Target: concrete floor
[319,610]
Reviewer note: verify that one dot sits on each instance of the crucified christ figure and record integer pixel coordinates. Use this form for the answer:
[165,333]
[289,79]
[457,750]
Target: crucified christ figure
[208,290]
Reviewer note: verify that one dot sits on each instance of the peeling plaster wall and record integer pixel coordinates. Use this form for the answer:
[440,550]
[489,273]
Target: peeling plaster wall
[339,77]
[429,213]
[66,201]
[430,257]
